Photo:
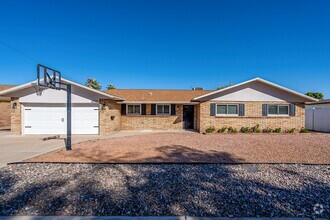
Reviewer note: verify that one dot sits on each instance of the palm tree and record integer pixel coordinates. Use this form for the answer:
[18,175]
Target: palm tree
[93,83]
[110,86]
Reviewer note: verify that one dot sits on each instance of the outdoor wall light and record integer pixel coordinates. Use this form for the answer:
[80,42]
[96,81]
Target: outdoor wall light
[14,105]
[103,106]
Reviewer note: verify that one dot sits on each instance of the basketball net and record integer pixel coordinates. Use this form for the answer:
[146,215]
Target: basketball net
[38,89]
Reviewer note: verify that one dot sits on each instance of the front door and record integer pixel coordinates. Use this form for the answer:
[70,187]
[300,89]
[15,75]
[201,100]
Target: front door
[188,116]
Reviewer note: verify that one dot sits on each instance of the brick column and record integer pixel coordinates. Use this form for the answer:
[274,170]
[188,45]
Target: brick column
[15,117]
[110,116]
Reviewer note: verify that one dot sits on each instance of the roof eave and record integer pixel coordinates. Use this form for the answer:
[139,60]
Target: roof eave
[29,84]
[261,80]
[17,88]
[158,102]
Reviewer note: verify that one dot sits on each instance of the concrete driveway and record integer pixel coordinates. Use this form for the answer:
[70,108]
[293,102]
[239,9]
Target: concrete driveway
[15,148]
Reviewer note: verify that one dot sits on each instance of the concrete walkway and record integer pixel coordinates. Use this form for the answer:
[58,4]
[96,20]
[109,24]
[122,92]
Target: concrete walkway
[16,148]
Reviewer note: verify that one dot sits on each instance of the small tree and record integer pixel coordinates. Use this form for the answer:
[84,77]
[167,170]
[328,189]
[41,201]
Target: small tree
[225,86]
[317,95]
[222,87]
[110,86]
[93,83]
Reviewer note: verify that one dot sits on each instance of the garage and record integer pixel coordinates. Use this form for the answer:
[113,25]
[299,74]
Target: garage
[52,120]
[35,111]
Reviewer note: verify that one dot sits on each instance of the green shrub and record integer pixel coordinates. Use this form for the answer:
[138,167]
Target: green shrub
[267,130]
[277,130]
[222,130]
[303,130]
[231,130]
[292,130]
[245,129]
[210,130]
[255,129]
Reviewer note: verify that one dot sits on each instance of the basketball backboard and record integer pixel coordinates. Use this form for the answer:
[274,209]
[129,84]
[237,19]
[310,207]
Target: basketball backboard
[48,77]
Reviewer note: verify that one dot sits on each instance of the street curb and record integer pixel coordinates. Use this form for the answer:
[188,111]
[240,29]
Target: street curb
[177,163]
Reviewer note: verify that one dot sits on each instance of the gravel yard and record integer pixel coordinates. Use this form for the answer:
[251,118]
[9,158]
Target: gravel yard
[165,189]
[194,147]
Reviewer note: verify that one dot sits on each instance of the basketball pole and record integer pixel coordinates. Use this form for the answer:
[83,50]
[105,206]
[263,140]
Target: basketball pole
[54,82]
[68,116]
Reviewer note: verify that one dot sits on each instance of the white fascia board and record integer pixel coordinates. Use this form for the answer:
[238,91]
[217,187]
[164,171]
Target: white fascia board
[260,80]
[30,84]
[17,88]
[93,90]
[158,102]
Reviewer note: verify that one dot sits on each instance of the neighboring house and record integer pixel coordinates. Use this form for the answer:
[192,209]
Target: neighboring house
[318,116]
[256,101]
[5,108]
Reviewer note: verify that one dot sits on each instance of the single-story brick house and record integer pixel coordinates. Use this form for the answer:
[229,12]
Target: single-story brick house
[256,101]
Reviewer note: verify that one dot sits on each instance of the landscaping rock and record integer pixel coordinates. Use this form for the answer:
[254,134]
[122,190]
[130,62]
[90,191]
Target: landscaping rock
[158,190]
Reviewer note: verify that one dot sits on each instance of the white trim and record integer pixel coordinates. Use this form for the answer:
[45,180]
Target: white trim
[159,102]
[93,90]
[16,88]
[127,113]
[216,109]
[278,110]
[169,107]
[30,84]
[260,80]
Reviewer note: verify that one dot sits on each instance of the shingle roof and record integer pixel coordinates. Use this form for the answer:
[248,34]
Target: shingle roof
[4,87]
[157,95]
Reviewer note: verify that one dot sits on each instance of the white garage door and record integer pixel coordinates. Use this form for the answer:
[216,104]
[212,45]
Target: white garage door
[52,120]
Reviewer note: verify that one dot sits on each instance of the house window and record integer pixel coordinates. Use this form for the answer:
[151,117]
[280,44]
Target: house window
[133,109]
[163,109]
[227,109]
[278,109]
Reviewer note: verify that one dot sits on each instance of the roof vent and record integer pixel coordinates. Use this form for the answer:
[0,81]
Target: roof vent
[198,88]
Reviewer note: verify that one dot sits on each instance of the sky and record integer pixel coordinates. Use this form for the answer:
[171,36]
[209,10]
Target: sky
[169,44]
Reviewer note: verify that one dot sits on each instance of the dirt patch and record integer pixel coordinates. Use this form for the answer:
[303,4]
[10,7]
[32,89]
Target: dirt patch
[198,148]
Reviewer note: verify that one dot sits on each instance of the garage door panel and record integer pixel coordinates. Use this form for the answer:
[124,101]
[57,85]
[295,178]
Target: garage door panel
[52,120]
[85,120]
[43,120]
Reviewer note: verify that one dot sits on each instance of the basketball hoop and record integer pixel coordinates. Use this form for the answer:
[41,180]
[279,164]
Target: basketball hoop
[48,78]
[38,89]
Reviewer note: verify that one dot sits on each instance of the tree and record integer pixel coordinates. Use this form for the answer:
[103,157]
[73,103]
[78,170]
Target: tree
[110,86]
[317,95]
[222,87]
[225,86]
[93,83]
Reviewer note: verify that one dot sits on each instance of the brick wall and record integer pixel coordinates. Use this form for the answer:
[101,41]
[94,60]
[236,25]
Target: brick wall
[110,117]
[253,116]
[15,117]
[4,113]
[138,122]
[198,116]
